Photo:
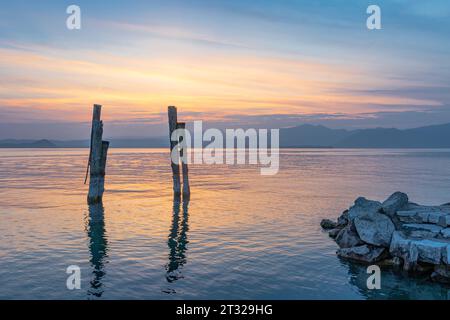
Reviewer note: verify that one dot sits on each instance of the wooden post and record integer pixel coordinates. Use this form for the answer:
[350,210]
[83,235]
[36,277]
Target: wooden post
[184,165]
[174,160]
[97,158]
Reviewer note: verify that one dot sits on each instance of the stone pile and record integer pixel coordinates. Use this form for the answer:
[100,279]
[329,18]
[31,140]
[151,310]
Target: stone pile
[396,232]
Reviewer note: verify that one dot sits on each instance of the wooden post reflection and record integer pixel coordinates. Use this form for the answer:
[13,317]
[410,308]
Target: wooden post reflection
[177,241]
[98,247]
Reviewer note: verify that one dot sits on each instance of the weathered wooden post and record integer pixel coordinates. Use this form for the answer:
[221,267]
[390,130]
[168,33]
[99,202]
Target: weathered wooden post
[174,156]
[97,158]
[184,164]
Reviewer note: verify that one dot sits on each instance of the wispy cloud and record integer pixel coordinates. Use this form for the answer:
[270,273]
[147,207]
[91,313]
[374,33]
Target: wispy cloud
[224,61]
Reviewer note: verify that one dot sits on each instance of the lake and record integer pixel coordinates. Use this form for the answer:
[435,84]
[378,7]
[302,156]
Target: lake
[241,236]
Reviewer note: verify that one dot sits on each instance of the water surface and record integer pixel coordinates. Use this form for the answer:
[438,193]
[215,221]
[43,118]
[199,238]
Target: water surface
[241,236]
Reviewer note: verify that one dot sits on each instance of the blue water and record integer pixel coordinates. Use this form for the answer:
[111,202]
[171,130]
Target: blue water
[241,236]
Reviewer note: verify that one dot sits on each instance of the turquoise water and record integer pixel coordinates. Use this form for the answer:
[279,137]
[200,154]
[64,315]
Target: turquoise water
[241,236]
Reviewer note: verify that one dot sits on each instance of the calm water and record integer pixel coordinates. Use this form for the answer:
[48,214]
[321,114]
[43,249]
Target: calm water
[242,235]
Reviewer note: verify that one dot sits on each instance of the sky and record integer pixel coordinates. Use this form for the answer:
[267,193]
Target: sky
[230,63]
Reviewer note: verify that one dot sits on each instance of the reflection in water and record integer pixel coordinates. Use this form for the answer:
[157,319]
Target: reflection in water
[98,247]
[177,240]
[394,284]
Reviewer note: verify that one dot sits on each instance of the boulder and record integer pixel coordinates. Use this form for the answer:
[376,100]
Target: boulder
[334,232]
[430,251]
[399,244]
[364,253]
[374,228]
[422,230]
[446,255]
[411,216]
[444,220]
[347,238]
[441,274]
[433,217]
[328,224]
[417,236]
[445,233]
[425,250]
[394,203]
[422,226]
[363,206]
[342,221]
[402,247]
[395,262]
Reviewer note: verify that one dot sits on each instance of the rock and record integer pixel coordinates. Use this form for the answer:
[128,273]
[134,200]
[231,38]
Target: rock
[446,255]
[328,224]
[391,262]
[397,262]
[343,219]
[362,253]
[445,233]
[375,228]
[424,250]
[441,274]
[422,226]
[395,202]
[410,258]
[401,247]
[334,232]
[433,217]
[444,221]
[347,238]
[423,217]
[424,268]
[422,230]
[363,206]
[418,237]
[411,216]
[430,251]
[421,234]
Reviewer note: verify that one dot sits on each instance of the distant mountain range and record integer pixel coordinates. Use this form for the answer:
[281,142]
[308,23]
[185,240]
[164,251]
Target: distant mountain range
[11,143]
[436,136]
[303,136]
[115,143]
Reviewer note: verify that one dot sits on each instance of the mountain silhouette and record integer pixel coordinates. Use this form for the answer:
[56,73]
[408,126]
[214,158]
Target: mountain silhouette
[302,136]
[26,144]
[436,136]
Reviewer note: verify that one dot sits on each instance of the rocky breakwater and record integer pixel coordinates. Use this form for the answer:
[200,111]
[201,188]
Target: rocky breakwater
[396,232]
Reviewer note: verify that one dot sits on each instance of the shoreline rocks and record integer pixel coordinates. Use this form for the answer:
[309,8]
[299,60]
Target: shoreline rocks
[397,233]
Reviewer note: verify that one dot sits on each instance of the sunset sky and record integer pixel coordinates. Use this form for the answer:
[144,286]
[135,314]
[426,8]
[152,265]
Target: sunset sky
[229,63]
